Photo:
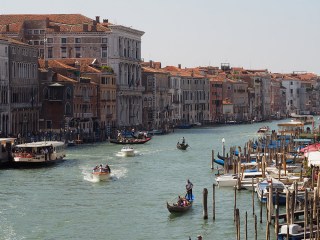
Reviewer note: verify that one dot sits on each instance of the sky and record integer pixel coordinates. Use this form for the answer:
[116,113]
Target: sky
[282,36]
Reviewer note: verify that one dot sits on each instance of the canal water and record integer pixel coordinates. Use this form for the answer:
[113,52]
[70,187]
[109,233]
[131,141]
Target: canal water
[63,202]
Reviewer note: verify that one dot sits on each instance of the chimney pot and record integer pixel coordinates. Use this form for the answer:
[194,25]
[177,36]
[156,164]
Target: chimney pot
[97,19]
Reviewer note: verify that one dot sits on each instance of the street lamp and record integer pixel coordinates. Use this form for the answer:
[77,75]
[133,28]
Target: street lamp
[223,147]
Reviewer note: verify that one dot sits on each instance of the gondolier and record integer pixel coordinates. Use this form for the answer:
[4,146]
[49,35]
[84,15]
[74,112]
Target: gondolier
[189,187]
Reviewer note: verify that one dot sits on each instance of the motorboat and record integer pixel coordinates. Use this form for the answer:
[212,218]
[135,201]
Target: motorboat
[127,151]
[263,188]
[100,173]
[43,152]
[264,129]
[227,180]
[230,180]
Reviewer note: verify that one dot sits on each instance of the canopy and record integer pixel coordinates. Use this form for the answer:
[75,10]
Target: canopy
[311,148]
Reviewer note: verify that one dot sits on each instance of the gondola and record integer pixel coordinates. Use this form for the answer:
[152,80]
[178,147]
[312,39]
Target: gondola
[178,209]
[130,141]
[182,146]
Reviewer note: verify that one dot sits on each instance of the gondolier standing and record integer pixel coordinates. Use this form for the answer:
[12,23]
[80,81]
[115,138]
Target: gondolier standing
[189,187]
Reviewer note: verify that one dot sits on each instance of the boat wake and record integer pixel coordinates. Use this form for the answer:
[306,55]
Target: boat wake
[121,154]
[115,174]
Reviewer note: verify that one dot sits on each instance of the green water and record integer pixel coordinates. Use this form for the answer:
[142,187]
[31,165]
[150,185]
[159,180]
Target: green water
[63,202]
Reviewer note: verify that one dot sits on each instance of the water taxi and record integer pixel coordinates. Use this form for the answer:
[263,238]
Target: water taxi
[100,173]
[305,119]
[43,152]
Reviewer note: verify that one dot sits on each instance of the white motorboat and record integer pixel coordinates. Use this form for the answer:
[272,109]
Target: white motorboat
[263,188]
[230,180]
[127,151]
[101,173]
[227,180]
[43,152]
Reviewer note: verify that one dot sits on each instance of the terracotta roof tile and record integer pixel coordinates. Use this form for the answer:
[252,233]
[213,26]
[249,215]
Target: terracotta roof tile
[66,22]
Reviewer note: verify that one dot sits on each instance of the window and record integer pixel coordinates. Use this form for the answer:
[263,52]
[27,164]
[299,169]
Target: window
[77,40]
[36,31]
[63,40]
[67,109]
[50,52]
[49,40]
[104,40]
[29,32]
[42,32]
[63,52]
[35,42]
[104,52]
[78,52]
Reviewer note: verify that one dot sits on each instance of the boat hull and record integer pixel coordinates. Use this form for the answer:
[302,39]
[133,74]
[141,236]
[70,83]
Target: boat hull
[178,209]
[100,176]
[130,141]
[226,180]
[128,153]
[182,146]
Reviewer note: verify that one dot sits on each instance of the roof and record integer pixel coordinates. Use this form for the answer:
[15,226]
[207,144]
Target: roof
[66,22]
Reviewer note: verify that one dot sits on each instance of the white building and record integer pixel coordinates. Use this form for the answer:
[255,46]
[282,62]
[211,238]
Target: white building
[125,58]
[292,86]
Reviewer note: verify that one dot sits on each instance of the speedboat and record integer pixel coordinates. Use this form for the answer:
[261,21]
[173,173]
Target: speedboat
[264,129]
[101,173]
[263,188]
[127,151]
[227,180]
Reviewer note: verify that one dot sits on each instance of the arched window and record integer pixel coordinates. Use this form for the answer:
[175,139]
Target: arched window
[67,110]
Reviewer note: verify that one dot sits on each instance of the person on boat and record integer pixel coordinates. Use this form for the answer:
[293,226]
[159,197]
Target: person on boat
[95,168]
[108,168]
[183,140]
[180,201]
[189,187]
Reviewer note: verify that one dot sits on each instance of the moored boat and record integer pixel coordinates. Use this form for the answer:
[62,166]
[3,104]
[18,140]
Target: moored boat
[36,153]
[127,151]
[6,151]
[263,188]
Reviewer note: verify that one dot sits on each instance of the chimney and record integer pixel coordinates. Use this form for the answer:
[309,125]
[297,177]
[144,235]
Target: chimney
[85,27]
[7,28]
[151,63]
[179,66]
[97,19]
[105,20]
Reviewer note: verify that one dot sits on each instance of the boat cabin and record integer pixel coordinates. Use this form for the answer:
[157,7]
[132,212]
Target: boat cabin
[290,128]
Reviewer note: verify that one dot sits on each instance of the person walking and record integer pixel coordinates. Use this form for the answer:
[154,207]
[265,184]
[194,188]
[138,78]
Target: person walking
[189,187]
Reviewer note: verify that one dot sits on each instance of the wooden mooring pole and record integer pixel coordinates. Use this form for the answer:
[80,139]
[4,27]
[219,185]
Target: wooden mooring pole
[212,159]
[213,202]
[205,203]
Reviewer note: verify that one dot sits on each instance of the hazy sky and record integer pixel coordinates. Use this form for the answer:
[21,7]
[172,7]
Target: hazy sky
[280,35]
